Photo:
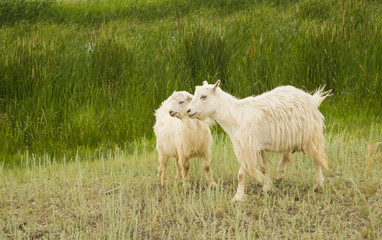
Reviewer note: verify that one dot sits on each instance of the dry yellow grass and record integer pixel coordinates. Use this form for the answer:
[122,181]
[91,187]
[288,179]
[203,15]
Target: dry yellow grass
[117,195]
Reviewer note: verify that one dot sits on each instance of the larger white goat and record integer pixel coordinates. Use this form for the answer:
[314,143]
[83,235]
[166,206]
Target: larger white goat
[181,137]
[283,120]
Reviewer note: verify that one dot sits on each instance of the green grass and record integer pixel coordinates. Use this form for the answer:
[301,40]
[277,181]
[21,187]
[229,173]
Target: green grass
[88,75]
[117,195]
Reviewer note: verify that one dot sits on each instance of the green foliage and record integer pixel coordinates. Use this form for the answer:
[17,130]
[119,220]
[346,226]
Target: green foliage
[16,11]
[205,54]
[315,9]
[89,74]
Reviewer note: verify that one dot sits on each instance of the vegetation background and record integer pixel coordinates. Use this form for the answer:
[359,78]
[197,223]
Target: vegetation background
[89,74]
[79,82]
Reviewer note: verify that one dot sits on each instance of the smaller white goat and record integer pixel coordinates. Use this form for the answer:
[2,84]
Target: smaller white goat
[283,120]
[182,138]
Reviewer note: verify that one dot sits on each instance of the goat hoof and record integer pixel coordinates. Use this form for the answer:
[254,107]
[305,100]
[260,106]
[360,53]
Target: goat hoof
[267,189]
[278,179]
[317,188]
[237,198]
[213,185]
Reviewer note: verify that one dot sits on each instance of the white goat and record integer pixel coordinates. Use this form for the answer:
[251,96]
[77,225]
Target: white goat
[182,138]
[283,120]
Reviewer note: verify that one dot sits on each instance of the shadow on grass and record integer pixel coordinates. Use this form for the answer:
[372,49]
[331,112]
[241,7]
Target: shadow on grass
[13,12]
[298,191]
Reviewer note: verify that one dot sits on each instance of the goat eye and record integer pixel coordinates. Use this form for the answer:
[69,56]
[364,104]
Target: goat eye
[181,102]
[204,97]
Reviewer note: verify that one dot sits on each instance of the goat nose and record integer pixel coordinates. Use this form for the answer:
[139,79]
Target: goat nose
[170,112]
[189,110]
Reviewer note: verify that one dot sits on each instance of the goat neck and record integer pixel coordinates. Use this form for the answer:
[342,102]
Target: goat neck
[226,113]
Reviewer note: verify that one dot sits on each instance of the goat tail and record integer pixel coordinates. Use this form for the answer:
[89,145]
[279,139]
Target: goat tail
[320,95]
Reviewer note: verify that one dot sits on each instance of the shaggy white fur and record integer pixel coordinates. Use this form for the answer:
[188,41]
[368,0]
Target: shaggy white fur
[182,138]
[283,120]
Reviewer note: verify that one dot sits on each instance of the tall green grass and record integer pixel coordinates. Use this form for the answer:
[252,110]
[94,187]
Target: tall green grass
[90,74]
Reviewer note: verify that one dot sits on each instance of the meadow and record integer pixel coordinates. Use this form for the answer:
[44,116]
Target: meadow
[79,83]
[117,195]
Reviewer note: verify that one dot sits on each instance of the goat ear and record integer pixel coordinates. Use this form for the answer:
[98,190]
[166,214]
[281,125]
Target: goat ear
[205,83]
[189,96]
[216,85]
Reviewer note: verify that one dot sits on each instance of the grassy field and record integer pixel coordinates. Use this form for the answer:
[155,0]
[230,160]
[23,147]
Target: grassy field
[79,82]
[117,195]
